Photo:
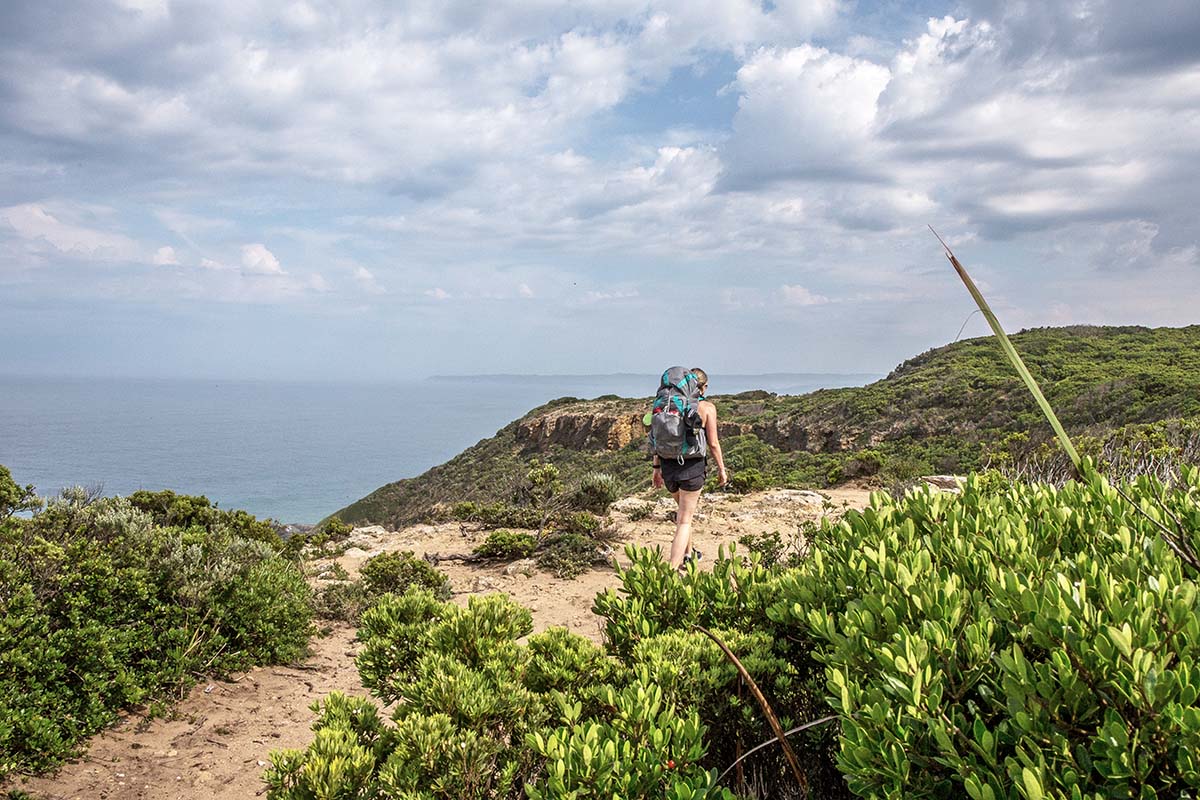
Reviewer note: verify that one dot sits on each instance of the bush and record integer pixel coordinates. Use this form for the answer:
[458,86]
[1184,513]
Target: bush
[397,571]
[344,600]
[331,530]
[480,716]
[1020,637]
[568,555]
[101,608]
[504,544]
[582,523]
[188,511]
[649,623]
[597,491]
[640,512]
[463,705]
[497,515]
[746,481]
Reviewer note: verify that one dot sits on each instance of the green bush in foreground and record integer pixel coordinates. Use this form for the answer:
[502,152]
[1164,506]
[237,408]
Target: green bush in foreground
[1024,642]
[102,608]
[478,715]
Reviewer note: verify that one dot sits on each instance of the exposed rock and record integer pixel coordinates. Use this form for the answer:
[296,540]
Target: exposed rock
[629,504]
[946,483]
[581,430]
[792,497]
[526,566]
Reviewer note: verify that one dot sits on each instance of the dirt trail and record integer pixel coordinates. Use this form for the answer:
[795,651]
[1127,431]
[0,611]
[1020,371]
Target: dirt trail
[219,739]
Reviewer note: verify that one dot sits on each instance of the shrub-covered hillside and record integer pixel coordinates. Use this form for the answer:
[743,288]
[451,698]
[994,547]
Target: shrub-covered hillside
[933,413]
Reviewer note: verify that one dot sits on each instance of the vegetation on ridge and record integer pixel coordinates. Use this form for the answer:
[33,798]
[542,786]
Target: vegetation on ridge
[943,411]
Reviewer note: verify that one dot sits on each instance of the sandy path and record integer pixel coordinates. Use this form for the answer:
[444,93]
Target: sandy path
[218,742]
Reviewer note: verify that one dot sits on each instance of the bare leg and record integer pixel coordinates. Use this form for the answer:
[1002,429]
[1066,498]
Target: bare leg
[682,545]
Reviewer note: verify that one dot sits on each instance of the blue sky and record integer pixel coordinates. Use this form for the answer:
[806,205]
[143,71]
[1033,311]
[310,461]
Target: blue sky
[374,190]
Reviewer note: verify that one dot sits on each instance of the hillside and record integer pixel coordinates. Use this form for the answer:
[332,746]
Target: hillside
[933,413]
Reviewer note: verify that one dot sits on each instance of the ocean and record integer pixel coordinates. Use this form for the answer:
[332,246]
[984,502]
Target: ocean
[295,452]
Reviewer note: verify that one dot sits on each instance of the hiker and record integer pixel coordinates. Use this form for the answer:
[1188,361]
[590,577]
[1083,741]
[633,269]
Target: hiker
[683,430]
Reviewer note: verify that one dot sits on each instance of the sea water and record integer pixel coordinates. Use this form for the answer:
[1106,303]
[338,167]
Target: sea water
[295,452]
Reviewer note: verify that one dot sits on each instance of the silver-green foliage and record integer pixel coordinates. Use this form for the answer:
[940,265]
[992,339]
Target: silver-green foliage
[1025,642]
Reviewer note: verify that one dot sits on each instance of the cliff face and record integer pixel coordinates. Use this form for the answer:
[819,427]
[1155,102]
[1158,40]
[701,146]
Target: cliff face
[583,426]
[582,429]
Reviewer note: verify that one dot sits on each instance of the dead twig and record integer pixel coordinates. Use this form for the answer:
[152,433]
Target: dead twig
[770,742]
[788,752]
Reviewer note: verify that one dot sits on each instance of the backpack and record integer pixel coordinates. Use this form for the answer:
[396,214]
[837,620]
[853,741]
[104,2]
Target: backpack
[676,430]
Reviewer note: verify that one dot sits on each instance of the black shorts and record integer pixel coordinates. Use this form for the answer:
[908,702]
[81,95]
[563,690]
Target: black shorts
[688,476]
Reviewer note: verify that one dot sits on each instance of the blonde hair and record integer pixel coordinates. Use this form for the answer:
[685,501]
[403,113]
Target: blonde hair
[701,376]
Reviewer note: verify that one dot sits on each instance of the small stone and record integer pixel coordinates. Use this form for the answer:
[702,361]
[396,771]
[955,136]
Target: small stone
[525,566]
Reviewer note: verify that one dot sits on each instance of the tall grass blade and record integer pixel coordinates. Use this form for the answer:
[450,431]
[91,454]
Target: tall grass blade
[1012,354]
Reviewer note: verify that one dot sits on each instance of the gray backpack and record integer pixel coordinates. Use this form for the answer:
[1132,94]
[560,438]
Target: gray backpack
[676,430]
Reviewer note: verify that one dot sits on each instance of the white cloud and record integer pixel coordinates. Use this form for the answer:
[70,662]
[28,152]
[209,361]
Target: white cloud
[366,280]
[258,260]
[524,291]
[33,221]
[804,111]
[437,293]
[165,256]
[795,295]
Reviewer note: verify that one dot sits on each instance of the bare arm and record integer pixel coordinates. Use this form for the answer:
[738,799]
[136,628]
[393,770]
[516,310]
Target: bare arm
[714,441]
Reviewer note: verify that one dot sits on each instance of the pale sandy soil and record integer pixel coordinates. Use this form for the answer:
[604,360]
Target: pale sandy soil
[219,739]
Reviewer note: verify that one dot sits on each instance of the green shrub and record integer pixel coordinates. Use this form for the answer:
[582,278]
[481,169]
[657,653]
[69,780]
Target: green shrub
[647,748]
[505,544]
[640,512]
[343,600]
[331,530]
[596,492]
[479,716]
[583,523]
[169,509]
[466,697]
[746,481]
[14,498]
[497,515]
[101,608]
[901,471]
[396,571]
[649,624]
[568,555]
[1013,642]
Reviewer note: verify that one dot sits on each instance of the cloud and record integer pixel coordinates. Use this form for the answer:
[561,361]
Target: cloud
[794,295]
[165,256]
[34,222]
[366,280]
[258,260]
[601,152]
[804,112]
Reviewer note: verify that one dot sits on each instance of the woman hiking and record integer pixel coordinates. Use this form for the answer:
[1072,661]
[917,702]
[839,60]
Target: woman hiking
[683,430]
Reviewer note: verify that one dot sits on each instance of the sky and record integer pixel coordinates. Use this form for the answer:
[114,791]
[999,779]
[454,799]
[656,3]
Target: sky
[379,191]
